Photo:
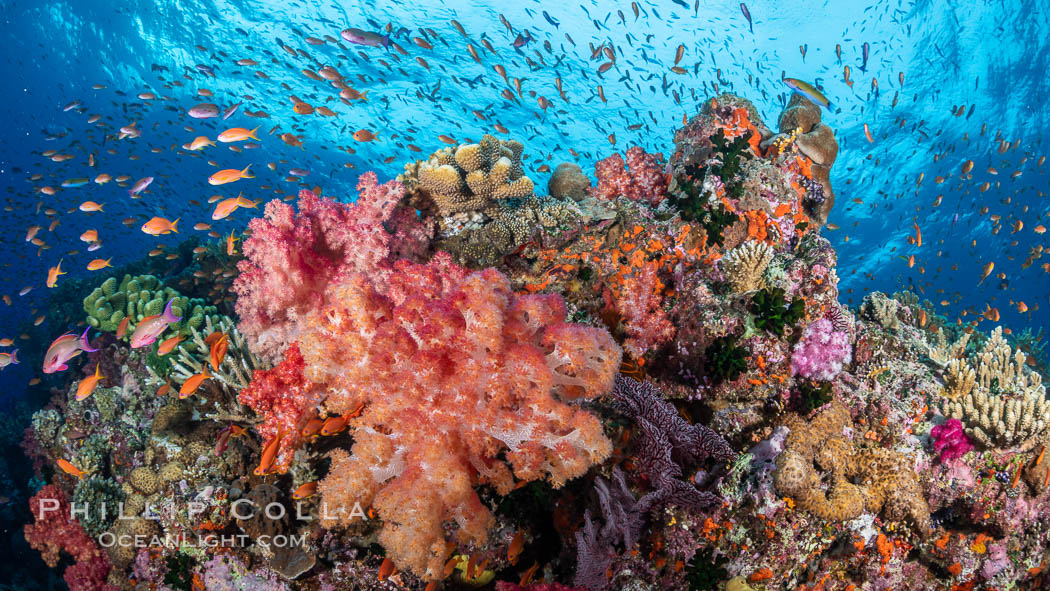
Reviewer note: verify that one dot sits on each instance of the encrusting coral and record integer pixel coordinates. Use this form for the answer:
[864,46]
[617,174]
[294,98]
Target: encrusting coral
[459,377]
[857,478]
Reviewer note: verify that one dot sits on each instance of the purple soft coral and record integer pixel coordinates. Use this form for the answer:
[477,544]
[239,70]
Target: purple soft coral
[822,352]
[950,440]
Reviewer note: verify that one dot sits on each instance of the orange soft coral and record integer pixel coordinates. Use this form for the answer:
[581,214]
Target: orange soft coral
[464,382]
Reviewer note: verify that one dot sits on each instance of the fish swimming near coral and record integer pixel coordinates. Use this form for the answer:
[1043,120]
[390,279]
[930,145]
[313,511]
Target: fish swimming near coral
[88,384]
[809,91]
[151,327]
[65,348]
[70,469]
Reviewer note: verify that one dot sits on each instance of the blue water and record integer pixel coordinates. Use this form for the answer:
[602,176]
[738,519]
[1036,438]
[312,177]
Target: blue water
[988,55]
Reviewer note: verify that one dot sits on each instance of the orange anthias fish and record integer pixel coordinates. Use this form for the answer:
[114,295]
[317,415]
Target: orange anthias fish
[89,206]
[386,569]
[164,389]
[70,469]
[218,351]
[305,491]
[237,134]
[227,206]
[313,427]
[53,273]
[231,244]
[122,328]
[98,264]
[988,267]
[333,425]
[364,135]
[515,548]
[918,235]
[192,383]
[169,345]
[229,175]
[269,454]
[157,226]
[88,384]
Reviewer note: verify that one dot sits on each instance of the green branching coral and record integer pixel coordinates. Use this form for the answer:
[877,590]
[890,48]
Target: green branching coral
[772,312]
[138,297]
[99,499]
[724,360]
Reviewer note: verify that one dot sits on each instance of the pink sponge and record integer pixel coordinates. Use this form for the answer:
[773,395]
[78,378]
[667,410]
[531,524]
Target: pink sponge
[822,352]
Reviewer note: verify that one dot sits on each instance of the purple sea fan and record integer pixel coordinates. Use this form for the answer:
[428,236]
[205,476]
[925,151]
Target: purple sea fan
[950,440]
[666,444]
[822,352]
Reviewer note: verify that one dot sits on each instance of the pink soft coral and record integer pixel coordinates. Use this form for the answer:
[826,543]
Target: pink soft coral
[822,352]
[55,531]
[462,380]
[950,440]
[641,177]
[285,400]
[292,257]
[639,304]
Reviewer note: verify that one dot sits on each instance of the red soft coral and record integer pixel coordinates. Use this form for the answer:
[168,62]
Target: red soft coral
[285,400]
[291,257]
[639,304]
[462,380]
[54,531]
[641,177]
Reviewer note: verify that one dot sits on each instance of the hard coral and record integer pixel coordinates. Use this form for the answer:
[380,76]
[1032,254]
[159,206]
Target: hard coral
[858,479]
[292,257]
[822,352]
[640,178]
[462,380]
[55,531]
[285,400]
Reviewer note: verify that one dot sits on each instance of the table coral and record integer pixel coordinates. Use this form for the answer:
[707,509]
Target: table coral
[291,257]
[460,377]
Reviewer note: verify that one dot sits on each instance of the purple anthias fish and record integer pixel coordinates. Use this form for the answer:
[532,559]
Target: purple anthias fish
[204,111]
[230,111]
[65,348]
[140,186]
[359,37]
[151,327]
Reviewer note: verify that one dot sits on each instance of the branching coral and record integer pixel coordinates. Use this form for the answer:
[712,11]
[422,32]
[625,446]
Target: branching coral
[857,479]
[461,380]
[959,379]
[640,178]
[292,257]
[471,176]
[743,266]
[285,400]
[821,353]
[944,354]
[1007,407]
[236,369]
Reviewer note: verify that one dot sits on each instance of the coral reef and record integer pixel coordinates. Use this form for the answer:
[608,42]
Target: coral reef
[425,389]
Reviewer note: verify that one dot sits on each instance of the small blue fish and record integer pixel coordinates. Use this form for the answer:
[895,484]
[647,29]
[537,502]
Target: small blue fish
[864,50]
[550,20]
